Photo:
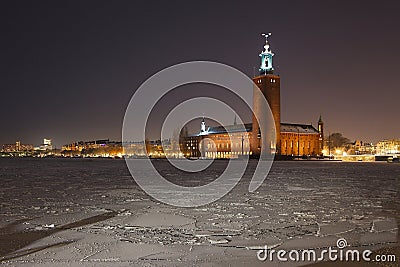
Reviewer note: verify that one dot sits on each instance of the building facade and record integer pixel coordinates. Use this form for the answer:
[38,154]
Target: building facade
[299,140]
[230,141]
[235,140]
[388,147]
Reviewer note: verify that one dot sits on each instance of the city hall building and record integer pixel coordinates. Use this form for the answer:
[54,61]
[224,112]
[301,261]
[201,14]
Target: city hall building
[232,141]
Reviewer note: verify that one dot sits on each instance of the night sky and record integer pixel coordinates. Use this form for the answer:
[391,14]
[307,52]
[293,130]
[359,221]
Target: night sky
[69,68]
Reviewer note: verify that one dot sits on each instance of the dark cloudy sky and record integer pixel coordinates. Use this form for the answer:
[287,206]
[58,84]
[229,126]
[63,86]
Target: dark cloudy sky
[69,68]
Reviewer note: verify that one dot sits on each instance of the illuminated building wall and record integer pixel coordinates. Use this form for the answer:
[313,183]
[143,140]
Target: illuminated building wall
[296,140]
[220,142]
[388,147]
[299,140]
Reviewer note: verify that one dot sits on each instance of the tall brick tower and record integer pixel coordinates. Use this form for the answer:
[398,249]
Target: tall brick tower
[269,85]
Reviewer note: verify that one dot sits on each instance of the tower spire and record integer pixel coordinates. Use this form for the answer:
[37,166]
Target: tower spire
[321,134]
[266,57]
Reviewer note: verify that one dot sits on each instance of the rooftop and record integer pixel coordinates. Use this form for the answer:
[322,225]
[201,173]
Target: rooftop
[285,128]
[297,128]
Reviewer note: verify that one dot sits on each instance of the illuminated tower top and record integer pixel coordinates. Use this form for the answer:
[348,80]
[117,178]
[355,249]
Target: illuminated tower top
[203,126]
[266,57]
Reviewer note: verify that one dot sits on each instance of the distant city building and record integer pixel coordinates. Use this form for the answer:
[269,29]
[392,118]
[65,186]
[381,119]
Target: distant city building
[17,147]
[232,141]
[360,148]
[102,147]
[388,147]
[46,145]
[135,149]
[81,145]
[47,142]
[107,148]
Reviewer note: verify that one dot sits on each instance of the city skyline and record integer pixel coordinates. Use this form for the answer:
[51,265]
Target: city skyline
[69,72]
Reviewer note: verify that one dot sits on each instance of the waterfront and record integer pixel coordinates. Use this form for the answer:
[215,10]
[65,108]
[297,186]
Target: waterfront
[90,212]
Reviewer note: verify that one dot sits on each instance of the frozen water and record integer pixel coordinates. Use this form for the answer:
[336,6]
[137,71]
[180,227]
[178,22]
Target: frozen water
[90,211]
